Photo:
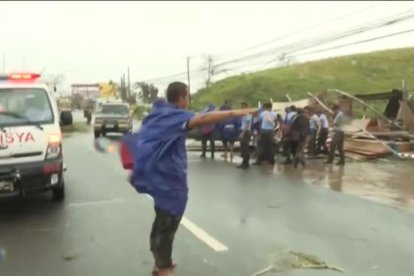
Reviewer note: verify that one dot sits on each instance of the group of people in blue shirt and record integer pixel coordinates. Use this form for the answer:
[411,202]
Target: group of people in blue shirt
[229,131]
[299,128]
[234,129]
[158,155]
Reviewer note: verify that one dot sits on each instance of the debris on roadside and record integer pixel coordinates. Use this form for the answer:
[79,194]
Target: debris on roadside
[292,260]
[70,257]
[2,254]
[389,133]
[271,206]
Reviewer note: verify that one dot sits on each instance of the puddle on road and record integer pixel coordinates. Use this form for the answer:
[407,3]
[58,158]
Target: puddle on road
[384,181]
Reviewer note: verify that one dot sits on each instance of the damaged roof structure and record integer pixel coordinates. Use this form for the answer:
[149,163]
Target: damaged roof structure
[389,132]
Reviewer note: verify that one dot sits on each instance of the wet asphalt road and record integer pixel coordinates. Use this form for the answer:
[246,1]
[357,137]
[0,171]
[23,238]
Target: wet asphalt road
[102,227]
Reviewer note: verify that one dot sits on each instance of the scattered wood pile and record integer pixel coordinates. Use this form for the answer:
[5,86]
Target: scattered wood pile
[390,133]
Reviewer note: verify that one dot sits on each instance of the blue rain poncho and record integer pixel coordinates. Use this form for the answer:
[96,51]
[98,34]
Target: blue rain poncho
[160,157]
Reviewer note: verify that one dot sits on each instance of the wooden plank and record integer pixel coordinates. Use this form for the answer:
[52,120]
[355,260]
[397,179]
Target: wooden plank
[407,116]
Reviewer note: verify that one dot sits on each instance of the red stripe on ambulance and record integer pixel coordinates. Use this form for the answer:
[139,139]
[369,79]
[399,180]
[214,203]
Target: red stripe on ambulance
[10,137]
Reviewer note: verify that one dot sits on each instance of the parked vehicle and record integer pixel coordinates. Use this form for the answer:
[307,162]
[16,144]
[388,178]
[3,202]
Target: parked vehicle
[113,118]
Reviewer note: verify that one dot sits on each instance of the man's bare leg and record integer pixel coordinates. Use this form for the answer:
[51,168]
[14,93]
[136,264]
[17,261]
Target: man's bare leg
[165,272]
[156,270]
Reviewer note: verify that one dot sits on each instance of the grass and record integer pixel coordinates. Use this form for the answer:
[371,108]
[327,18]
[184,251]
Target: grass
[139,112]
[358,74]
[76,127]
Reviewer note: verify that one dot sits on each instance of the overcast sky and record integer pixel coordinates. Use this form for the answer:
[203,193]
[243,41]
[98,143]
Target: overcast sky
[91,42]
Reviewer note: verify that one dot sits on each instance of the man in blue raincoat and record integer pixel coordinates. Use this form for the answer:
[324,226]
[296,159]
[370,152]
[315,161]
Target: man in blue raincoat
[160,165]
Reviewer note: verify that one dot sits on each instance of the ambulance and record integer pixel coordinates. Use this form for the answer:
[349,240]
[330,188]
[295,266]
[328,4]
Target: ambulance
[31,157]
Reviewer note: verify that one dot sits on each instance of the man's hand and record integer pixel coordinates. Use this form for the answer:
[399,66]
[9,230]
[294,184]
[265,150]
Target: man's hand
[245,111]
[218,116]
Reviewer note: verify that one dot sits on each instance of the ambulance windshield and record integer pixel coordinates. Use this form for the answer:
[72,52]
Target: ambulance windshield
[23,106]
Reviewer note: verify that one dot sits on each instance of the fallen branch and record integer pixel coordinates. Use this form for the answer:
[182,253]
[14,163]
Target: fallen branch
[264,271]
[324,267]
[320,103]
[272,268]
[301,261]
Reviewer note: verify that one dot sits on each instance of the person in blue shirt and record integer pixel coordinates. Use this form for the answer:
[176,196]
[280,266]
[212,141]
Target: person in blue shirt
[268,120]
[229,134]
[313,131]
[291,114]
[207,134]
[298,133]
[323,133]
[226,106]
[160,165]
[338,138]
[256,131]
[245,137]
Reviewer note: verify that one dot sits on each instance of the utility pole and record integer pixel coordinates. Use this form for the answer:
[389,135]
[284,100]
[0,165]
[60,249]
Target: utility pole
[188,72]
[210,71]
[123,88]
[129,86]
[188,78]
[404,90]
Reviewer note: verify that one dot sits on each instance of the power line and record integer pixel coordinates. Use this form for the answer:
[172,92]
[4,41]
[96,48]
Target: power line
[357,42]
[308,45]
[313,27]
[301,45]
[313,43]
[338,46]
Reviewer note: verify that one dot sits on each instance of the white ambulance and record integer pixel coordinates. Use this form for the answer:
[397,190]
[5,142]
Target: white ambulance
[31,157]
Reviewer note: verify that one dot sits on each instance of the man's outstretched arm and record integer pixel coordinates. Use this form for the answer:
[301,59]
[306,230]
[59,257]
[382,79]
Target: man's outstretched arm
[218,116]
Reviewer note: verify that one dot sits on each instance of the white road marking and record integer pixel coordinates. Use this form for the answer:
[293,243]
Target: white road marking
[89,203]
[201,234]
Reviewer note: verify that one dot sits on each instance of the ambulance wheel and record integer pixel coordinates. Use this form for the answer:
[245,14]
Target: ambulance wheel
[58,193]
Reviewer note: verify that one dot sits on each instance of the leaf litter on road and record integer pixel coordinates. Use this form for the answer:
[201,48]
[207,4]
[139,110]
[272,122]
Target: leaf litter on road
[293,260]
[70,257]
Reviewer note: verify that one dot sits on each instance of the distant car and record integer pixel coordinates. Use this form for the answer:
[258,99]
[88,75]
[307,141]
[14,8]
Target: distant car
[113,118]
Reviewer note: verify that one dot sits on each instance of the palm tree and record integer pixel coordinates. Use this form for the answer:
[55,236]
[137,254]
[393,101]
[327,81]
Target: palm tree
[147,92]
